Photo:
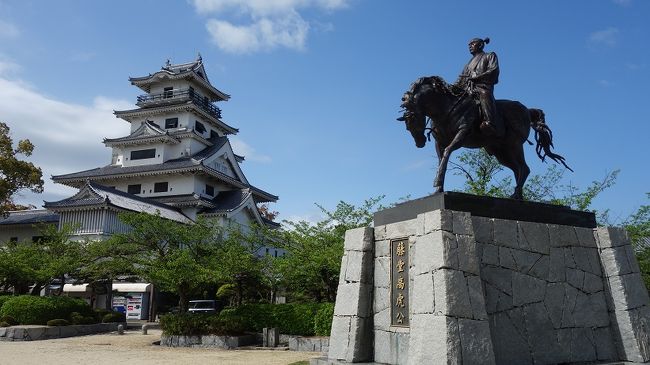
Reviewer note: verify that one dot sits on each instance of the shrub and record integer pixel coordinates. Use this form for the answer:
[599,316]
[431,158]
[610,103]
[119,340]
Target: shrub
[291,319]
[197,324]
[100,313]
[4,298]
[58,322]
[9,319]
[27,309]
[78,318]
[114,317]
[323,319]
[4,324]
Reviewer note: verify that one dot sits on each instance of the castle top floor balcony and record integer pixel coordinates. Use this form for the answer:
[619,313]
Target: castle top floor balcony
[176,96]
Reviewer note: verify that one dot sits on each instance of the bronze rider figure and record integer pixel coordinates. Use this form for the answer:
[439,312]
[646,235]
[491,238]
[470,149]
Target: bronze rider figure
[478,78]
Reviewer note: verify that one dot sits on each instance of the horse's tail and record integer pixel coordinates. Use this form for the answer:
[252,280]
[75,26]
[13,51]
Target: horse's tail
[544,137]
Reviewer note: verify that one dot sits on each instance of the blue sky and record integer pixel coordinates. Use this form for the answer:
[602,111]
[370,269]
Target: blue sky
[316,84]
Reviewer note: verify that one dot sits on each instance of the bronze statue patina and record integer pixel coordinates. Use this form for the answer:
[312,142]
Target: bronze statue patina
[456,122]
[478,78]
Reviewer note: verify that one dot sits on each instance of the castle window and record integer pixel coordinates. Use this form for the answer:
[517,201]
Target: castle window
[142,154]
[134,189]
[209,189]
[199,127]
[168,92]
[160,187]
[13,239]
[37,239]
[171,123]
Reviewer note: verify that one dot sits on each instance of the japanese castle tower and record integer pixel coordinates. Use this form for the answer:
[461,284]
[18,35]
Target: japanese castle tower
[177,161]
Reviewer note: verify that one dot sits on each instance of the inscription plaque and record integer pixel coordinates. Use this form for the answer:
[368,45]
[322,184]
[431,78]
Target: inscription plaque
[399,282]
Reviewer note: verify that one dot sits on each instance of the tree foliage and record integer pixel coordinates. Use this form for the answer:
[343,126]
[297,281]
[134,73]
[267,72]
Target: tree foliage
[310,270]
[171,255]
[50,259]
[481,173]
[16,174]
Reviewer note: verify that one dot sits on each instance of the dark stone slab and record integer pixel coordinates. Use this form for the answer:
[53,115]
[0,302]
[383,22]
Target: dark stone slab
[483,206]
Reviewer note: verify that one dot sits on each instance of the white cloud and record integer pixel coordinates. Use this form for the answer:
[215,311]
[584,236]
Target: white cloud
[272,24]
[67,137]
[8,67]
[264,7]
[243,149]
[8,30]
[312,218]
[634,66]
[264,34]
[608,37]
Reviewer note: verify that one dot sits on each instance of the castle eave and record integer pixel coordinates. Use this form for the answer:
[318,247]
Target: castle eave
[130,115]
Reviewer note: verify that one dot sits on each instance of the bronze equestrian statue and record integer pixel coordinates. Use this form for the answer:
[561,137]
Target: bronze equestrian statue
[458,114]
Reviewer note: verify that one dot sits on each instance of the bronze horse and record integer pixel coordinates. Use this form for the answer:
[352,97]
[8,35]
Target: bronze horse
[455,119]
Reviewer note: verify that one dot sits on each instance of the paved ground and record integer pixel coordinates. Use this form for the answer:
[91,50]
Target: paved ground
[133,348]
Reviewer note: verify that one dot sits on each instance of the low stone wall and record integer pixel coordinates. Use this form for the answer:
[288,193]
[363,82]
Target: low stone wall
[309,344]
[37,333]
[208,341]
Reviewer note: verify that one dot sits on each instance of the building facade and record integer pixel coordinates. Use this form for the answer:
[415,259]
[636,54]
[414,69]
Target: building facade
[176,161]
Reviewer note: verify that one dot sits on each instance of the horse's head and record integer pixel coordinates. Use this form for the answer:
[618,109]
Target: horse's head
[413,114]
[427,97]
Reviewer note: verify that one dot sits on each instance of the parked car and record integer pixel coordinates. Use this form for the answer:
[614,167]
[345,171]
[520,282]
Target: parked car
[202,306]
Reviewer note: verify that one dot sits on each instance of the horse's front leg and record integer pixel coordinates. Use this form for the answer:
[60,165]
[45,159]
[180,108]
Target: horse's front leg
[456,143]
[439,151]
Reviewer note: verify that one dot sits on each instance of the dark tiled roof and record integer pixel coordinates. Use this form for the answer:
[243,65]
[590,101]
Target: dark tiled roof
[93,194]
[141,112]
[194,163]
[29,217]
[271,223]
[148,129]
[193,69]
[229,200]
[184,199]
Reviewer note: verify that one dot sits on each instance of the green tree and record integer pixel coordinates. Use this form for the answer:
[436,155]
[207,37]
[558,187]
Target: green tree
[238,265]
[176,257]
[38,264]
[16,174]
[310,270]
[20,264]
[62,258]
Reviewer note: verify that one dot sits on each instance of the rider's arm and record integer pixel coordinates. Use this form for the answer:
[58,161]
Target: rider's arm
[491,73]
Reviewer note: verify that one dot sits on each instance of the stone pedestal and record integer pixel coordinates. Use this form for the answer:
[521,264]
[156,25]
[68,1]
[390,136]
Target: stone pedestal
[485,287]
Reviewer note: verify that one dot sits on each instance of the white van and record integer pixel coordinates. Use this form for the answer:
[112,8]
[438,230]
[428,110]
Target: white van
[203,306]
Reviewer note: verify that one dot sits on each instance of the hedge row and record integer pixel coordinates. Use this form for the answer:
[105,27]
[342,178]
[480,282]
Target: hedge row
[28,309]
[291,319]
[198,324]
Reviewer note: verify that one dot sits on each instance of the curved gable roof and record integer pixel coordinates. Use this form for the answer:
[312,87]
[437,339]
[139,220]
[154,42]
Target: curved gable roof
[191,70]
[96,195]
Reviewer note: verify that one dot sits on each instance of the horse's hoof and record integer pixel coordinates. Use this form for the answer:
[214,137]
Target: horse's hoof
[438,189]
[517,197]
